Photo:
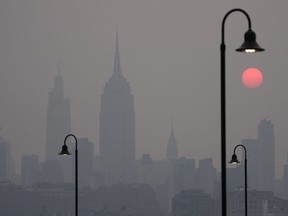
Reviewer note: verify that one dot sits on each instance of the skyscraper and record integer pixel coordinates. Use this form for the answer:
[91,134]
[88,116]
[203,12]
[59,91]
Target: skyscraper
[206,175]
[267,154]
[117,125]
[58,118]
[58,123]
[85,162]
[6,160]
[172,146]
[253,160]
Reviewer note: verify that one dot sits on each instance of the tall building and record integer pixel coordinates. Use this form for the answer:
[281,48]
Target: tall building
[117,126]
[253,162]
[206,176]
[172,146]
[6,160]
[58,126]
[267,154]
[85,162]
[155,173]
[285,180]
[261,157]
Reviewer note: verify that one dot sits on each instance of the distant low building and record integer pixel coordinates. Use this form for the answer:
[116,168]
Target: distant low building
[58,199]
[260,203]
[192,202]
[30,169]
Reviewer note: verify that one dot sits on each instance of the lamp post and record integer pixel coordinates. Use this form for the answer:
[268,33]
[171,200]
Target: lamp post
[65,151]
[249,46]
[234,160]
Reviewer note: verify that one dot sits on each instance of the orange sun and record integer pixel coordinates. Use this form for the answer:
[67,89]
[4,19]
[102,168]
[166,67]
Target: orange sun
[252,78]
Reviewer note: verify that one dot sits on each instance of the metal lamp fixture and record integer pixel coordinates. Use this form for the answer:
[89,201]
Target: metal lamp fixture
[234,160]
[249,46]
[65,151]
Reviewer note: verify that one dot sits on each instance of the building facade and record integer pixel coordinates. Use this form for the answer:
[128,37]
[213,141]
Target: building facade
[6,160]
[117,126]
[58,126]
[267,154]
[85,162]
[192,202]
[172,146]
[30,169]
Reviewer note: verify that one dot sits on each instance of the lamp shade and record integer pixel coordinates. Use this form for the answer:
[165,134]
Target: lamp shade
[64,150]
[250,45]
[234,159]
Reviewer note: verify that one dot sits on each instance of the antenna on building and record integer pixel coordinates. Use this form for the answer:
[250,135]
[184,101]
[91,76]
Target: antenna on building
[59,68]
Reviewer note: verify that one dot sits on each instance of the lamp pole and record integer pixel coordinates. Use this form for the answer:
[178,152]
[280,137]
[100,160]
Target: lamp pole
[66,152]
[234,160]
[249,46]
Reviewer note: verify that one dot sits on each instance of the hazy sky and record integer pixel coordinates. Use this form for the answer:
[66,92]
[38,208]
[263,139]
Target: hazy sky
[170,55]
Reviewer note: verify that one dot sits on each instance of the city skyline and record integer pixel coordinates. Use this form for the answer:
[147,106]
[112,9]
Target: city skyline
[169,74]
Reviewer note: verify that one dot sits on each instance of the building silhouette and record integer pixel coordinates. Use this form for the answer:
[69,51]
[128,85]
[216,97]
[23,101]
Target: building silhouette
[206,176]
[285,180]
[52,171]
[260,203]
[261,157]
[155,173]
[85,162]
[30,169]
[267,154]
[58,126]
[6,160]
[172,146]
[47,199]
[181,175]
[253,162]
[117,126]
[192,202]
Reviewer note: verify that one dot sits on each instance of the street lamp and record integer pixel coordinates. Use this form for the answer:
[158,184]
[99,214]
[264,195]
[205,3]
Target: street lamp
[65,151]
[249,46]
[234,160]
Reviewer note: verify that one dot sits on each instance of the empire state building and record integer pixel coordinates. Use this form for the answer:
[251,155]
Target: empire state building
[117,126]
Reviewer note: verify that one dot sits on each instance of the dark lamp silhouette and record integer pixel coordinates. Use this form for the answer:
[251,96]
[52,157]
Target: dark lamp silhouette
[250,45]
[64,150]
[234,159]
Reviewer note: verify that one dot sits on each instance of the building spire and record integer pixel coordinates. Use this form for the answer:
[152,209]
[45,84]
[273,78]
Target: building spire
[117,66]
[59,68]
[172,146]
[172,128]
[116,44]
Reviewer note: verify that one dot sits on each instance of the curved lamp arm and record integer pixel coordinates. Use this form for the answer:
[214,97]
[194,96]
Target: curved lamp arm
[71,135]
[64,150]
[227,14]
[242,147]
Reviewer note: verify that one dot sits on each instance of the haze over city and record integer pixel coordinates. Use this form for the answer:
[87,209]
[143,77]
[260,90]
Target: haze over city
[170,56]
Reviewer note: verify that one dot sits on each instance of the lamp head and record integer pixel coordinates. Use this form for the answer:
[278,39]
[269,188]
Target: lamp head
[250,45]
[64,150]
[234,159]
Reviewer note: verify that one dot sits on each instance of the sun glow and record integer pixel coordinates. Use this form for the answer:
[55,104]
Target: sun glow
[252,78]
